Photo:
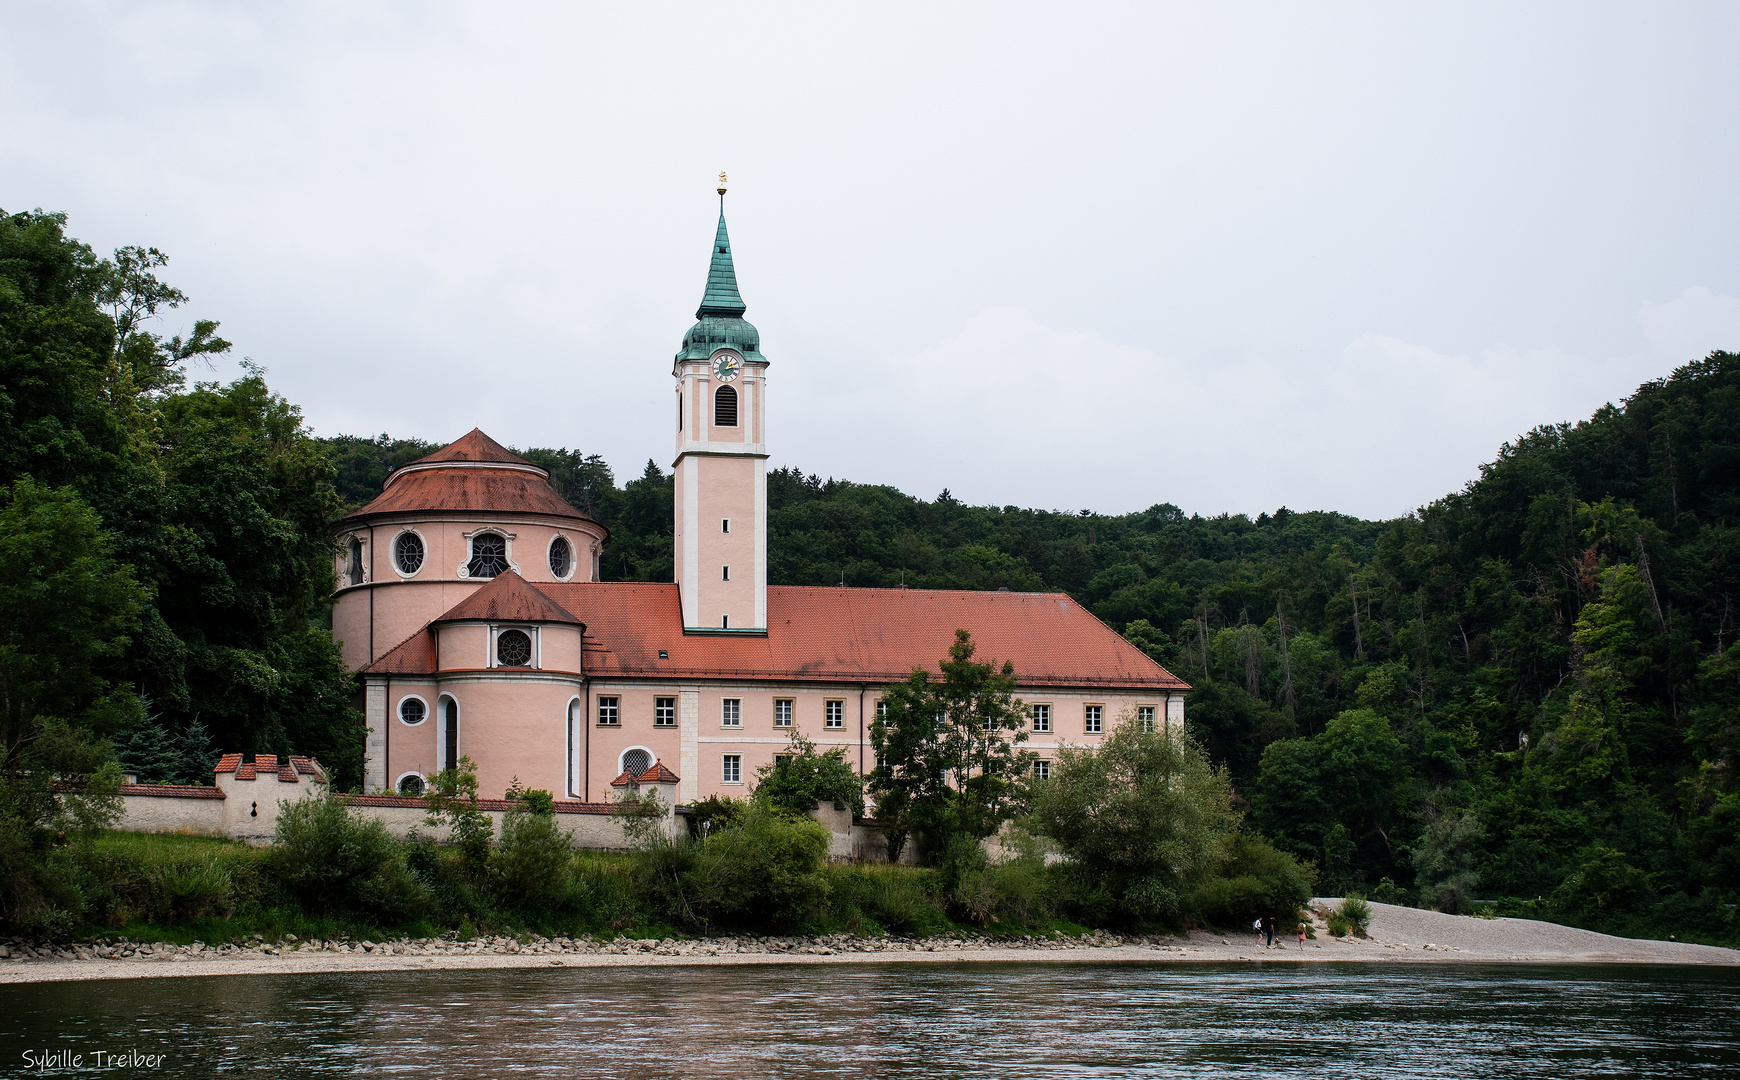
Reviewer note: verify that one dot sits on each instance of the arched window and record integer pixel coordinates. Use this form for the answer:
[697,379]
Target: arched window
[488,555]
[636,761]
[410,784]
[408,552]
[725,407]
[450,747]
[353,574]
[561,557]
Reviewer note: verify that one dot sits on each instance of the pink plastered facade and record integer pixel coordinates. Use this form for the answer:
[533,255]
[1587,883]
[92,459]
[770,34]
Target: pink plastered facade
[489,635]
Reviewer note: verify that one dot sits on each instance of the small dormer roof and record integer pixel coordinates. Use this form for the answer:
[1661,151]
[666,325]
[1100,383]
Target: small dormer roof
[509,598]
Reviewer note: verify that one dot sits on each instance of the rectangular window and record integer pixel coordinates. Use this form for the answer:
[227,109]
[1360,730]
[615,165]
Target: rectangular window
[731,712]
[726,574]
[1145,718]
[1042,769]
[725,525]
[1042,718]
[731,768]
[882,710]
[665,712]
[1091,718]
[835,714]
[610,711]
[782,708]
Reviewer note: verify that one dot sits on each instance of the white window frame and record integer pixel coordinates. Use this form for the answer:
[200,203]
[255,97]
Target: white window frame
[731,712]
[1093,719]
[731,768]
[1042,717]
[1042,768]
[657,721]
[790,717]
[615,708]
[399,710]
[573,555]
[393,553]
[1145,719]
[464,571]
[834,714]
[495,633]
[421,779]
[621,758]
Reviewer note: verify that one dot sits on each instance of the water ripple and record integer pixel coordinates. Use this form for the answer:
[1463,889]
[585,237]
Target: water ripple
[907,1020]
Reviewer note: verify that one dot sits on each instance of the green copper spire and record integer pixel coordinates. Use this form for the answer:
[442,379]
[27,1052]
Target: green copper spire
[721,298]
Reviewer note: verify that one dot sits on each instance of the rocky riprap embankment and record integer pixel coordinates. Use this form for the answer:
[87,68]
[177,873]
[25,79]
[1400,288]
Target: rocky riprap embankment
[256,946]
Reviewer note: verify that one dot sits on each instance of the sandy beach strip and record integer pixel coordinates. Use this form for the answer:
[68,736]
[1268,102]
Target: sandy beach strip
[1396,935]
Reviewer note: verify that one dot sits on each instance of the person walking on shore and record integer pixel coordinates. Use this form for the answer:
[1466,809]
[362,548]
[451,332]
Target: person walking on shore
[1301,935]
[1269,931]
[1257,925]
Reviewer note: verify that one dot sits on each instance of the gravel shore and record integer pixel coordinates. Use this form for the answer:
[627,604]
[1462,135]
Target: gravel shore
[1396,935]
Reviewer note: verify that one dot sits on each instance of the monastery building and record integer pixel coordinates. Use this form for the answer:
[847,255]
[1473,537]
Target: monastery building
[471,606]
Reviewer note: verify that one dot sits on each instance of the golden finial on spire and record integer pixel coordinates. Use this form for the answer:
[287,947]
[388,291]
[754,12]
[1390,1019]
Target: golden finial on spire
[721,183]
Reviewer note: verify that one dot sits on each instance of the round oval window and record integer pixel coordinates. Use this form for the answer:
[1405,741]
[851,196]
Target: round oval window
[408,552]
[561,557]
[412,711]
[513,648]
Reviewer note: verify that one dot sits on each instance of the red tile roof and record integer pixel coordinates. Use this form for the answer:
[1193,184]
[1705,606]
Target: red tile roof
[508,598]
[655,773]
[172,791]
[839,634]
[228,763]
[474,445]
[474,475]
[835,635]
[413,656]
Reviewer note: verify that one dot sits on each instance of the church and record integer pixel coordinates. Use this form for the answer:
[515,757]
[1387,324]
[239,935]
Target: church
[471,606]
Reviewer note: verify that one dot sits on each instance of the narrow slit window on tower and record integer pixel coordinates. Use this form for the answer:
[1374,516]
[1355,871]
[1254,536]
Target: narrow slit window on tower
[726,576]
[725,407]
[354,570]
[725,525]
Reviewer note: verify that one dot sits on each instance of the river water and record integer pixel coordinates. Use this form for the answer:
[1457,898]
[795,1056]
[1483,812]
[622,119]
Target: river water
[900,1020]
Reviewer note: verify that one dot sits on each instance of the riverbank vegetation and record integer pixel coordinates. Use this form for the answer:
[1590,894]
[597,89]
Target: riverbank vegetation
[1521,698]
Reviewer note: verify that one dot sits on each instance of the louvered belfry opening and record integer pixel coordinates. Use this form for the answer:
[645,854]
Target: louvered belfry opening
[725,407]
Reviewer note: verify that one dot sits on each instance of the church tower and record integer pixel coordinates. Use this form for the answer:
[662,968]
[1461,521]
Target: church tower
[721,466]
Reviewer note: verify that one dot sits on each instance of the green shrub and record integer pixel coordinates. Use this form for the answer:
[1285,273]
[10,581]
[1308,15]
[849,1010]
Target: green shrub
[1021,891]
[1254,879]
[1143,812]
[1355,912]
[799,778]
[1337,924]
[532,865]
[764,871]
[714,813]
[1388,893]
[330,860]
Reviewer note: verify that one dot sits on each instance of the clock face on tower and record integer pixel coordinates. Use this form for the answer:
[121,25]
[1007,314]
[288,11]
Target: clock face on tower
[727,366]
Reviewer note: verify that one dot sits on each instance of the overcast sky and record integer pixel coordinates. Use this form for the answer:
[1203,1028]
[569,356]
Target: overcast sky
[1227,256]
